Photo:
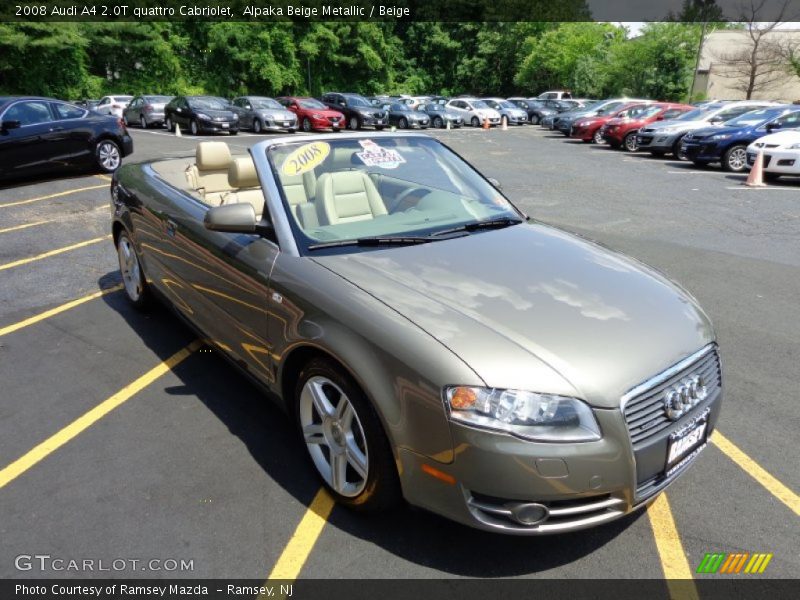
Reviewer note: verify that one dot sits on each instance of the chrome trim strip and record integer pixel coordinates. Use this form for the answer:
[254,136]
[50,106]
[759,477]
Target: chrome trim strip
[584,508]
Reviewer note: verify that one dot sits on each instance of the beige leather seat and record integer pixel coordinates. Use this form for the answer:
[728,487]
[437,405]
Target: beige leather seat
[245,187]
[301,191]
[347,196]
[208,177]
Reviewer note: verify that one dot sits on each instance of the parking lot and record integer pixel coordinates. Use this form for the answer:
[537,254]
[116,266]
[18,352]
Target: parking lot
[123,441]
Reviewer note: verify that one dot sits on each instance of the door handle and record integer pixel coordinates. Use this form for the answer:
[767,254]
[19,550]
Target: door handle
[171,227]
[56,129]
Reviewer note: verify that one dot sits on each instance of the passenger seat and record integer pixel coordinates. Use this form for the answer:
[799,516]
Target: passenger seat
[243,179]
[348,196]
[208,177]
[300,193]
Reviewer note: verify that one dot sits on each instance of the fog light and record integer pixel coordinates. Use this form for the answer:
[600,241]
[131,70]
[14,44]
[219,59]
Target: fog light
[529,513]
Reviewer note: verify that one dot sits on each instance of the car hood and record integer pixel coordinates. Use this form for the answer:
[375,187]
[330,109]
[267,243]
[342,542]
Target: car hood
[682,125]
[717,129]
[781,138]
[536,308]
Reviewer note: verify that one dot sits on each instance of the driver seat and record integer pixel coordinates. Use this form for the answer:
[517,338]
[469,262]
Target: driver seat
[347,196]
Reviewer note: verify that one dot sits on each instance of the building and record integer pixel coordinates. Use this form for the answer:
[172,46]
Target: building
[723,71]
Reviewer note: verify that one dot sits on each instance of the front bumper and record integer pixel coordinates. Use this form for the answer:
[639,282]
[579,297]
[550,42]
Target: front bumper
[778,161]
[577,485]
[584,133]
[374,121]
[656,141]
[327,123]
[280,124]
[217,126]
[702,150]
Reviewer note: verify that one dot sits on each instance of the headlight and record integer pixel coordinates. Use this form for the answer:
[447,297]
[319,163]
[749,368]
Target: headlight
[794,147]
[721,136]
[203,116]
[540,417]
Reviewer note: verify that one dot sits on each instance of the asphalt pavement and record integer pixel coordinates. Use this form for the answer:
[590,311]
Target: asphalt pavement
[192,463]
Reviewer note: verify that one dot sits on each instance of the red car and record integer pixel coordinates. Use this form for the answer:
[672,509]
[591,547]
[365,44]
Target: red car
[588,128]
[622,131]
[313,114]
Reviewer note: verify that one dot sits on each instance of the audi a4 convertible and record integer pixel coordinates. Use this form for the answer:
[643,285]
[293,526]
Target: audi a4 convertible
[430,342]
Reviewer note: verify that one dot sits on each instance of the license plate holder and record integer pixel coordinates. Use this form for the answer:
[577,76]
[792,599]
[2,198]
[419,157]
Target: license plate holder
[686,442]
[225,125]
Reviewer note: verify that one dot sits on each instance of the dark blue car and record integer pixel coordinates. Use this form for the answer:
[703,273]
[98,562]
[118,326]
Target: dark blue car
[727,143]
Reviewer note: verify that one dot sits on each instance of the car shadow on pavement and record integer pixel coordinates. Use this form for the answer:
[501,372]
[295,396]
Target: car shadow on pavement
[53,177]
[267,432]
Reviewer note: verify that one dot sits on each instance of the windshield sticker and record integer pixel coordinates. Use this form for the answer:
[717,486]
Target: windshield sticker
[375,156]
[305,158]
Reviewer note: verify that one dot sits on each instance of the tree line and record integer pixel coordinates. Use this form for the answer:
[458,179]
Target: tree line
[87,60]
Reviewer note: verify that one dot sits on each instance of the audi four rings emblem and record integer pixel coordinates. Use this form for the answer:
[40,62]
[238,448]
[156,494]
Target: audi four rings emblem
[681,398]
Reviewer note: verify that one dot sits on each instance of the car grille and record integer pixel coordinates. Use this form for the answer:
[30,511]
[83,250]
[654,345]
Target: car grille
[645,415]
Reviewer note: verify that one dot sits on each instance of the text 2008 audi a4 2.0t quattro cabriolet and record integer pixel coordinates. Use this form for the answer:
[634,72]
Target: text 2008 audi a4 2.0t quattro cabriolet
[429,340]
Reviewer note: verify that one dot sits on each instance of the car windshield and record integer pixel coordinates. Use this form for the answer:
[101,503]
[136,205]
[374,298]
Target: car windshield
[340,191]
[122,98]
[754,117]
[694,115]
[435,107]
[357,101]
[479,104]
[158,99]
[266,103]
[506,104]
[208,102]
[649,111]
[311,103]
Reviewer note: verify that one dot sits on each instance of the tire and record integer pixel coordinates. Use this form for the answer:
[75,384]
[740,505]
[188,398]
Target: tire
[257,127]
[107,156]
[142,122]
[735,159]
[292,130]
[629,142]
[193,128]
[676,149]
[135,284]
[125,120]
[438,123]
[475,122]
[344,438]
[402,123]
[597,138]
[169,125]
[535,120]
[306,125]
[354,124]
[233,131]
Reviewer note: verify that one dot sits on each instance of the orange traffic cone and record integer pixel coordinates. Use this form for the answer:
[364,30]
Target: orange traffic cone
[756,176]
[486,123]
[505,123]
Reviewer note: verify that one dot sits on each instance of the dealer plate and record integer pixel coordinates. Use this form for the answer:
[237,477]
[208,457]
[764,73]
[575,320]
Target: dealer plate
[687,439]
[225,125]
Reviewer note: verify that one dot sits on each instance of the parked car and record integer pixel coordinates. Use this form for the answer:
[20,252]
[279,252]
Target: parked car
[90,104]
[541,109]
[405,117]
[145,111]
[201,114]
[564,121]
[425,338]
[312,114]
[112,105]
[42,135]
[588,129]
[514,114]
[781,154]
[728,143]
[259,113]
[357,110]
[415,101]
[665,137]
[555,95]
[622,132]
[474,111]
[441,115]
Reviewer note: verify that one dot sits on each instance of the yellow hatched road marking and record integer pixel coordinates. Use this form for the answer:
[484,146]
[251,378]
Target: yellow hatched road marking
[670,551]
[25,226]
[49,196]
[49,253]
[757,472]
[78,426]
[55,311]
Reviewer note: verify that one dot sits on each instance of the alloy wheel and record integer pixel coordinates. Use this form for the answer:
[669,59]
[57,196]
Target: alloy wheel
[306,125]
[598,137]
[256,126]
[354,123]
[108,156]
[737,159]
[142,122]
[129,267]
[630,142]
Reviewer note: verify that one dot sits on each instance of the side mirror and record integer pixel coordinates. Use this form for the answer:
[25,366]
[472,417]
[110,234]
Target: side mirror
[716,120]
[231,218]
[772,126]
[6,125]
[495,183]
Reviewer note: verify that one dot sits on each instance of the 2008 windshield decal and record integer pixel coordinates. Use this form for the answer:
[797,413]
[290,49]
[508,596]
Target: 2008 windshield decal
[305,158]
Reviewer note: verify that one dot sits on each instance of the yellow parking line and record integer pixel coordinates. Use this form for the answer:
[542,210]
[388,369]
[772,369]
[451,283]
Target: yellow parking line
[54,442]
[25,226]
[103,177]
[757,472]
[55,311]
[301,544]
[49,196]
[49,253]
[670,550]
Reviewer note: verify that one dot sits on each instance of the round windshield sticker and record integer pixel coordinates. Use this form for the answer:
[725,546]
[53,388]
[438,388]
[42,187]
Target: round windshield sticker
[305,158]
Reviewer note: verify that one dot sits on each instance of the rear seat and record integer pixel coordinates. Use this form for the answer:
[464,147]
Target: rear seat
[208,177]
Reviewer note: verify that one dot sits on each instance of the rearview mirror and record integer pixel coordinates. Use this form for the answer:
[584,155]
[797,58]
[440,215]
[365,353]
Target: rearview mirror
[10,125]
[231,218]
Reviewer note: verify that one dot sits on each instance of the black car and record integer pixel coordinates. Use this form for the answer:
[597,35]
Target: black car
[39,135]
[201,114]
[358,111]
[404,117]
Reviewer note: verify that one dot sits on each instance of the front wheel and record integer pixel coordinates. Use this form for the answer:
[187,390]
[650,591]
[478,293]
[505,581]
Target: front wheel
[132,275]
[597,138]
[344,438]
[142,122]
[170,126]
[535,119]
[108,156]
[193,128]
[354,124]
[677,151]
[630,142]
[475,122]
[437,122]
[403,124]
[257,127]
[735,159]
[306,125]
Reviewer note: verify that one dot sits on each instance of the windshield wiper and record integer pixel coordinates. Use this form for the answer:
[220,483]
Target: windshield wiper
[477,225]
[398,240]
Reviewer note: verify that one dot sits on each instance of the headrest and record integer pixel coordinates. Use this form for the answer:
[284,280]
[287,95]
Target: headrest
[242,174]
[212,156]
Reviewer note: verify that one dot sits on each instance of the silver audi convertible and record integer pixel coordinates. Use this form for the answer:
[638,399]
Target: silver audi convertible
[430,341]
